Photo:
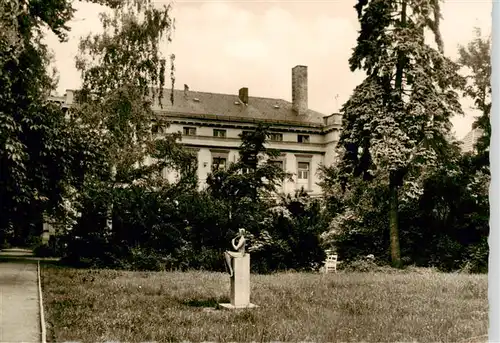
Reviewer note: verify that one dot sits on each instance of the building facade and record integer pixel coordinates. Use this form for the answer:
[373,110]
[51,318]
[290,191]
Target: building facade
[211,123]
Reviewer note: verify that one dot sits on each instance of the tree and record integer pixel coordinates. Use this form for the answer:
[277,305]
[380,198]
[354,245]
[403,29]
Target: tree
[246,187]
[36,153]
[397,121]
[284,231]
[454,215]
[123,75]
[476,57]
[253,176]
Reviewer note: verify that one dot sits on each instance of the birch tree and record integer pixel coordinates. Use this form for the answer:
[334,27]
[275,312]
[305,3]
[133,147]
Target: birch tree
[123,74]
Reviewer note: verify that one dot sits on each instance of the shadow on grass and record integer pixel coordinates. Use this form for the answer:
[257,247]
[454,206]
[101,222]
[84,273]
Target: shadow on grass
[205,303]
[71,264]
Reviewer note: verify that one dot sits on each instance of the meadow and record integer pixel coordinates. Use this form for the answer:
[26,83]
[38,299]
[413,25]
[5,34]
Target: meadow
[411,306]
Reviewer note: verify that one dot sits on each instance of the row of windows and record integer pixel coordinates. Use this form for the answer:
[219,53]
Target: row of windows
[274,137]
[302,167]
[221,133]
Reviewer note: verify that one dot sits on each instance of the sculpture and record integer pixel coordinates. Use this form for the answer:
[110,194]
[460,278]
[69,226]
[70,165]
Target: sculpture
[239,247]
[238,263]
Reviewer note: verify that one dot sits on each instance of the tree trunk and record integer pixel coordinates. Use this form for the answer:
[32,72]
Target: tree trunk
[109,213]
[394,226]
[396,177]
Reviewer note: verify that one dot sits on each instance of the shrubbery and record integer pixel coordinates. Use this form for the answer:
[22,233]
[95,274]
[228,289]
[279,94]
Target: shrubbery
[161,226]
[192,231]
[444,226]
[171,226]
[290,236]
[164,229]
[54,248]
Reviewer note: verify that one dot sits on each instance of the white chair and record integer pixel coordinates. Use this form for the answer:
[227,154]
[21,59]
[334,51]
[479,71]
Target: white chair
[331,264]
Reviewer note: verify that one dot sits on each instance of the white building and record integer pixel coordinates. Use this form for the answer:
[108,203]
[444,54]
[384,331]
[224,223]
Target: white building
[211,124]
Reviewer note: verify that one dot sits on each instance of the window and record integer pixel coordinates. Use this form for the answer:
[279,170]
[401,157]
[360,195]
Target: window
[220,159]
[276,137]
[218,163]
[303,171]
[189,131]
[220,133]
[245,133]
[303,138]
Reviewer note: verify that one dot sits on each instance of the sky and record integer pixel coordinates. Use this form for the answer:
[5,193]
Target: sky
[222,46]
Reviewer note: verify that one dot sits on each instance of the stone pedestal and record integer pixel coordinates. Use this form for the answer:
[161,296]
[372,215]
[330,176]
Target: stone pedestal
[240,284]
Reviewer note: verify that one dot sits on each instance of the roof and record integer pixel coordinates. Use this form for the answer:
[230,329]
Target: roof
[228,106]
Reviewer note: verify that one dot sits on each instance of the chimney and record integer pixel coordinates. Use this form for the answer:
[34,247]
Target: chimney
[186,90]
[69,96]
[243,95]
[299,89]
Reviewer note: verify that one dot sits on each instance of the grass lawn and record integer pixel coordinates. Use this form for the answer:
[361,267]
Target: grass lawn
[103,305]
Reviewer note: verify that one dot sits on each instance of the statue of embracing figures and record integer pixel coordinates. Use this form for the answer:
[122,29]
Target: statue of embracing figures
[239,247]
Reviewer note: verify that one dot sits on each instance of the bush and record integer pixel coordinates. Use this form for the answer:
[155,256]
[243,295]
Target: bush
[362,265]
[4,244]
[43,250]
[445,226]
[289,236]
[204,259]
[180,228]
[477,258]
[144,260]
